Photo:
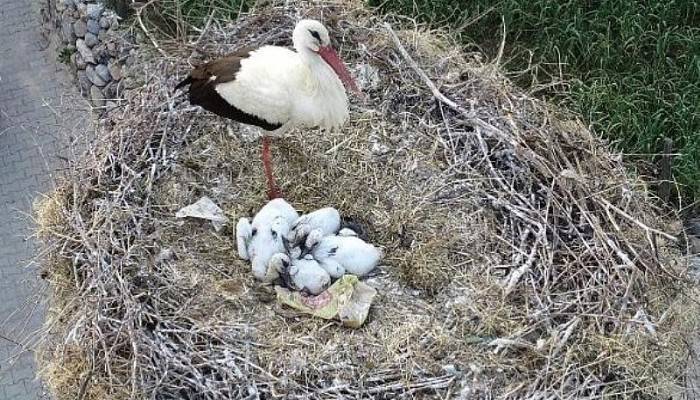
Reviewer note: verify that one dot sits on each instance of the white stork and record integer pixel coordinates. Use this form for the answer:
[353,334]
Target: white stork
[276,88]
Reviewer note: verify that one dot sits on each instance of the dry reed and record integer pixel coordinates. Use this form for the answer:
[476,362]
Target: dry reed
[522,261]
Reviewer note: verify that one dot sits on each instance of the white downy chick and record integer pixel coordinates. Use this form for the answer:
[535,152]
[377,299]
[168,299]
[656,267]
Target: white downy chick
[267,231]
[347,232]
[343,254]
[273,209]
[303,274]
[326,219]
[244,232]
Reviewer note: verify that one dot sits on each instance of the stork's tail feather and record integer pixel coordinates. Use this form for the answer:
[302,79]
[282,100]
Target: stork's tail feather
[185,82]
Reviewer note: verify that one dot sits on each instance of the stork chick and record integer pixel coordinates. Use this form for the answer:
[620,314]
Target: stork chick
[304,274]
[275,88]
[260,240]
[339,255]
[326,219]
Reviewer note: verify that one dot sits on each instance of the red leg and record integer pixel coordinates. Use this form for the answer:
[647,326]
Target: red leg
[272,191]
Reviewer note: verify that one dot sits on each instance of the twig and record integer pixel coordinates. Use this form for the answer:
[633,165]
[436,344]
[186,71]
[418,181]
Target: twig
[515,276]
[145,31]
[436,92]
[502,46]
[636,221]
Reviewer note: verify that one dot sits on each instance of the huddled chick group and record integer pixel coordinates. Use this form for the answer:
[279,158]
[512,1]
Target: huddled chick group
[303,253]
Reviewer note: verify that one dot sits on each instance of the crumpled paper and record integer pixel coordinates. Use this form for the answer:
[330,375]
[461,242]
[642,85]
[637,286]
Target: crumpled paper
[204,208]
[347,300]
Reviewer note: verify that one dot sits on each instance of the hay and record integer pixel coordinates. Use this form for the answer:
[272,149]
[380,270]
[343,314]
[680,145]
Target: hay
[522,261]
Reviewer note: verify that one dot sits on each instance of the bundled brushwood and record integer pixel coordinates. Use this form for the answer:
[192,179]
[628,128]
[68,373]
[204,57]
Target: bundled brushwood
[522,261]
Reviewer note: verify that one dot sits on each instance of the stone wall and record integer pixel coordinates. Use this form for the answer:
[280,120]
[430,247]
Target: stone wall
[93,49]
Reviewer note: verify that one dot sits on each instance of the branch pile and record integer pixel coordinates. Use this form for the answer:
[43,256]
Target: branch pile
[522,260]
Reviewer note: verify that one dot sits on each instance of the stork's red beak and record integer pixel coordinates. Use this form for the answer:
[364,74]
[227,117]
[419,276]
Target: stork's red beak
[331,58]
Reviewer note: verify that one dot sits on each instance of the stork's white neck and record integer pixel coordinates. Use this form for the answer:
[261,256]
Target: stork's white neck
[328,107]
[310,57]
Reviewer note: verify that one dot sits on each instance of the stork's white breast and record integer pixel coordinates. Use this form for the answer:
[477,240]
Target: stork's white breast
[274,83]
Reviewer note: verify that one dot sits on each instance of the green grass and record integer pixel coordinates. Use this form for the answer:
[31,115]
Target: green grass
[634,65]
[65,54]
[174,18]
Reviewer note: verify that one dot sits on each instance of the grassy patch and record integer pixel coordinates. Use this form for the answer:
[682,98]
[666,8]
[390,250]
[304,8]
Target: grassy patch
[175,18]
[634,65]
[65,54]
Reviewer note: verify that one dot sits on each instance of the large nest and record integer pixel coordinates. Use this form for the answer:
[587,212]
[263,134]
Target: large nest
[521,260]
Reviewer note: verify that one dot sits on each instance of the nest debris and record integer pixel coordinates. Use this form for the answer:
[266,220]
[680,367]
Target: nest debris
[522,260]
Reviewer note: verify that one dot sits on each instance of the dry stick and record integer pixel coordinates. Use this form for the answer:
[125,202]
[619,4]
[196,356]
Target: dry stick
[636,221]
[518,273]
[566,335]
[422,74]
[444,99]
[143,28]
[503,42]
[206,27]
[86,381]
[666,174]
[441,97]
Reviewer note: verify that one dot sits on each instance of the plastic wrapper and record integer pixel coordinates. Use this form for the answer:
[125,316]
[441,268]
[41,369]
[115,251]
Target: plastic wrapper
[347,300]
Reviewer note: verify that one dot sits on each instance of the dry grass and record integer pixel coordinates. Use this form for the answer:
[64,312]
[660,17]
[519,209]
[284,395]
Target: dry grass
[521,261]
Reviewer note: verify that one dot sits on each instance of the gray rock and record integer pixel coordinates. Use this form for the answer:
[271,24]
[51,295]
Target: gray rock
[115,70]
[100,53]
[695,248]
[129,83]
[112,48]
[111,106]
[93,26]
[79,28]
[67,31]
[113,90]
[84,83]
[74,61]
[102,36]
[93,77]
[69,4]
[103,72]
[94,11]
[91,39]
[104,23]
[84,51]
[79,61]
[82,9]
[96,96]
[60,6]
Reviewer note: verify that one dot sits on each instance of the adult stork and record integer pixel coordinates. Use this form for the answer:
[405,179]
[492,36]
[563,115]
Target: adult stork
[275,88]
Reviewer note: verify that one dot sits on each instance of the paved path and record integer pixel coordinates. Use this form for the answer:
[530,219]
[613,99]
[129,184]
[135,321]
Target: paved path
[32,88]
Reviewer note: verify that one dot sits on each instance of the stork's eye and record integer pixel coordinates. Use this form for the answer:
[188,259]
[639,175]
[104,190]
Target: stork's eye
[254,231]
[274,234]
[315,34]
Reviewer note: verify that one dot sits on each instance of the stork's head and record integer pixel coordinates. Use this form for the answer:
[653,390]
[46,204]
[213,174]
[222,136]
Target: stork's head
[313,238]
[310,36]
[265,242]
